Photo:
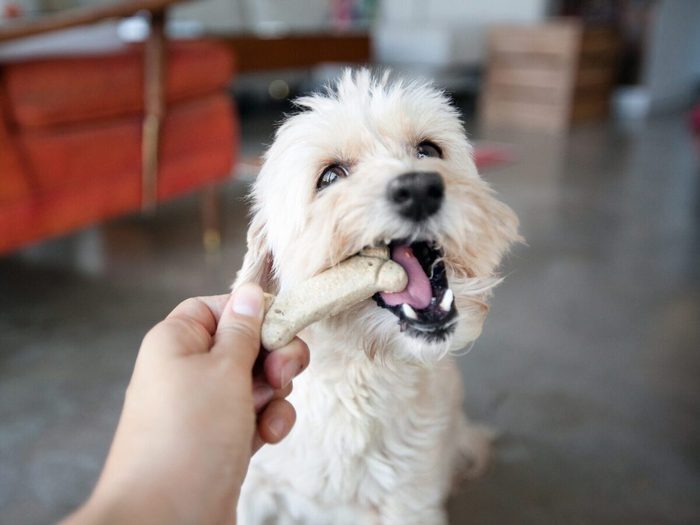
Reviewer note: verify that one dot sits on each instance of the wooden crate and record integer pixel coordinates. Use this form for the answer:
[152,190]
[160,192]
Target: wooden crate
[548,76]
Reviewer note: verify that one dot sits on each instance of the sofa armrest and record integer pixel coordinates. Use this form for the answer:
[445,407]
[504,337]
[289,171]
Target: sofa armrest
[80,16]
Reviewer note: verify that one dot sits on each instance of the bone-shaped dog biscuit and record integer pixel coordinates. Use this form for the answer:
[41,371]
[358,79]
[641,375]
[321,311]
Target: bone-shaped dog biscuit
[329,293]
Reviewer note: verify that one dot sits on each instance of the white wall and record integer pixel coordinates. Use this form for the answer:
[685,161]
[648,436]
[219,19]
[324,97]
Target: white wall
[445,32]
[435,32]
[217,15]
[420,12]
[673,60]
[236,15]
[256,15]
[27,6]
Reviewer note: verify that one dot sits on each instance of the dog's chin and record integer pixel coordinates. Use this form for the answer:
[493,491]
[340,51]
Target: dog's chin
[423,350]
[422,347]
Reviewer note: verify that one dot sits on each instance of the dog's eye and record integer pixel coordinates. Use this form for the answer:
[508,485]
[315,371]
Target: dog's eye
[330,175]
[428,149]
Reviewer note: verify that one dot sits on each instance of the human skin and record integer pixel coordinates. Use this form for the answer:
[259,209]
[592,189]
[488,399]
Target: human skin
[194,414]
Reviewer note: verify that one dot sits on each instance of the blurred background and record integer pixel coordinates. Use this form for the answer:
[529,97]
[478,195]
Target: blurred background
[130,132]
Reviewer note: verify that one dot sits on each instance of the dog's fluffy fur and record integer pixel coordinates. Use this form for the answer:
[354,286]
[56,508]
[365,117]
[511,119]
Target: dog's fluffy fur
[380,433]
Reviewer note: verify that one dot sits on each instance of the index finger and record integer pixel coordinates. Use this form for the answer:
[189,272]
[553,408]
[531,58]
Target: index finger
[205,311]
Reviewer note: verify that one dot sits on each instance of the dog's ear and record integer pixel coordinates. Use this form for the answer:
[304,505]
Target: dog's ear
[257,262]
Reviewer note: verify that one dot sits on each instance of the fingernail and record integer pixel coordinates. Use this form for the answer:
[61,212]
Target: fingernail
[289,371]
[262,394]
[277,427]
[248,300]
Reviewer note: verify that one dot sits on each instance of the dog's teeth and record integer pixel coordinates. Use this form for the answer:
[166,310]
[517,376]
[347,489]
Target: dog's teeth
[387,241]
[409,312]
[446,303]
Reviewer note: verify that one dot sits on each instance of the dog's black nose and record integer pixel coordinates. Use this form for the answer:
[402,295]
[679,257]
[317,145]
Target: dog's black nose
[416,195]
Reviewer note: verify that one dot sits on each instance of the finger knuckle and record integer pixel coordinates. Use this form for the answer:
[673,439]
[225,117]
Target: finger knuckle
[154,335]
[190,303]
[181,326]
[239,330]
[173,330]
[300,348]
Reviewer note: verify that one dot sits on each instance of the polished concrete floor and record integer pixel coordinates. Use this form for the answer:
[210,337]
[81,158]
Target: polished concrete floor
[589,364]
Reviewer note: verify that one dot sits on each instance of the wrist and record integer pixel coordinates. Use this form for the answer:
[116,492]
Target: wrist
[144,503]
[91,512]
[107,505]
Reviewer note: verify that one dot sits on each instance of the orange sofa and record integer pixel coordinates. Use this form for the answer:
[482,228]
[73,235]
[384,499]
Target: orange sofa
[71,135]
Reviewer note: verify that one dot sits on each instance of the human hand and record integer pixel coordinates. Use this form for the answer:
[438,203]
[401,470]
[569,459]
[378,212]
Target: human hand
[189,425]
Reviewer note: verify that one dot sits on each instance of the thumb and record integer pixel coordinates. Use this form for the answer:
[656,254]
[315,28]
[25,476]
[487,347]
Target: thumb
[238,331]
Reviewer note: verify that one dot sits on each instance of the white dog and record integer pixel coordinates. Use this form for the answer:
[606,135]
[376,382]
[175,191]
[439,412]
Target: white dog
[380,435]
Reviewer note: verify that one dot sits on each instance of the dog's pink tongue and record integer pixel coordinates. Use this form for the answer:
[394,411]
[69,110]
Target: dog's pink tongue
[418,292]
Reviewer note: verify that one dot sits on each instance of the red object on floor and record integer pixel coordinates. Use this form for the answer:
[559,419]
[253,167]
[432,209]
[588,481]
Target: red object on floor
[12,10]
[71,131]
[489,156]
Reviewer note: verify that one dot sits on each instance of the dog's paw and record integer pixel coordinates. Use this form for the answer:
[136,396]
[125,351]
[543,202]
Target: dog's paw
[473,451]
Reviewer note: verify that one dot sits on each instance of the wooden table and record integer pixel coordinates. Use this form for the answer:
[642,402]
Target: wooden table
[297,50]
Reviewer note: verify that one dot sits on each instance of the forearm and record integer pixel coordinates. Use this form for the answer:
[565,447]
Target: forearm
[135,508]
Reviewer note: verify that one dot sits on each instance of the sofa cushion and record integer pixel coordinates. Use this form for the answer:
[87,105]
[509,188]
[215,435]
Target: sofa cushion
[69,156]
[63,90]
[198,147]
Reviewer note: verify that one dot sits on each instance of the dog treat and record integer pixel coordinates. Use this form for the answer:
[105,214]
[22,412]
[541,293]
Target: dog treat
[329,293]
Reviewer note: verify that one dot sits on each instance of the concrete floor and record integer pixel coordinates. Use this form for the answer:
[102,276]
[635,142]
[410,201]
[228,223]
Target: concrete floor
[588,365]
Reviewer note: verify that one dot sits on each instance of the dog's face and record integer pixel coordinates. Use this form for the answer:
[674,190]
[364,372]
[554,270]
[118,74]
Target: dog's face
[371,163]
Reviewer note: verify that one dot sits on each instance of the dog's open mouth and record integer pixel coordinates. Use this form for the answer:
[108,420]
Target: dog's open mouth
[426,307]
